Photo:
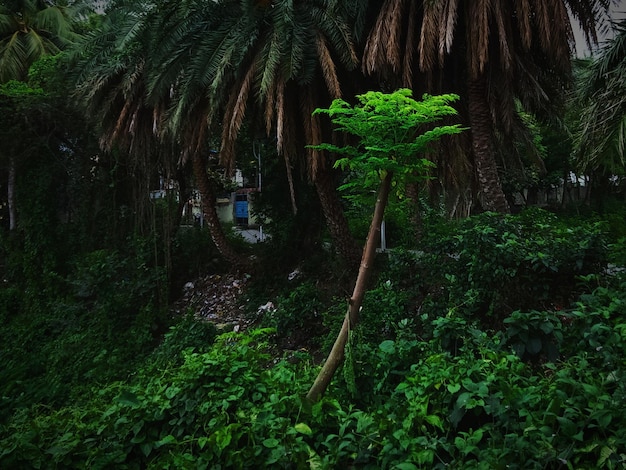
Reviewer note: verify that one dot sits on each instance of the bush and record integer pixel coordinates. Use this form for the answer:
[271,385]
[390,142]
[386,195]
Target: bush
[298,312]
[493,264]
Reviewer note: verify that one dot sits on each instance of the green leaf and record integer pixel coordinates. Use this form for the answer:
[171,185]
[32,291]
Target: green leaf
[387,346]
[605,454]
[434,420]
[567,426]
[202,442]
[303,428]
[146,448]
[405,466]
[271,442]
[547,327]
[167,440]
[453,388]
[464,397]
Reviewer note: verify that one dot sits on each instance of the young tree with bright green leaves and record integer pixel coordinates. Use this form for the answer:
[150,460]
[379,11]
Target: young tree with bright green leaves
[392,130]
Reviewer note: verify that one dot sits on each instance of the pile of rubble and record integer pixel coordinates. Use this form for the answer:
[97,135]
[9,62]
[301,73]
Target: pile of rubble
[216,298]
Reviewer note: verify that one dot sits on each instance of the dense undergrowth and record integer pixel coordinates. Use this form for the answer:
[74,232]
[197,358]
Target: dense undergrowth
[498,343]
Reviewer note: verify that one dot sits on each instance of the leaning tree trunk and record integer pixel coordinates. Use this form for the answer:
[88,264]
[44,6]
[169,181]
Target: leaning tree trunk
[335,218]
[207,197]
[493,198]
[354,305]
[11,194]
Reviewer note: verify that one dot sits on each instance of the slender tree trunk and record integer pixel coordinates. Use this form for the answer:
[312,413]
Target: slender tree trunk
[11,194]
[354,305]
[335,218]
[207,196]
[493,198]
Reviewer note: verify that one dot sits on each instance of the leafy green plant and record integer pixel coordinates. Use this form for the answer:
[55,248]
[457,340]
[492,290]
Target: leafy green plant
[534,335]
[516,262]
[296,311]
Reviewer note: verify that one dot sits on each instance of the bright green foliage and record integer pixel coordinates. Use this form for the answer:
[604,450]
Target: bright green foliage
[392,131]
[17,89]
[451,386]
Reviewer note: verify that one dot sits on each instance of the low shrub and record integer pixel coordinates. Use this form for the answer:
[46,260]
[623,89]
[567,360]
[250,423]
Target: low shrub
[494,264]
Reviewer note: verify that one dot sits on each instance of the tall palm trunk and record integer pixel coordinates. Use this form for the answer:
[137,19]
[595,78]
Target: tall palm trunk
[207,196]
[493,198]
[335,218]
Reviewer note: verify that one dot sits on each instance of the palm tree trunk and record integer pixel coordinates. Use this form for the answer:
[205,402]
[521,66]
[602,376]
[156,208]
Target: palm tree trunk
[493,198]
[335,218]
[207,196]
[11,194]
[354,305]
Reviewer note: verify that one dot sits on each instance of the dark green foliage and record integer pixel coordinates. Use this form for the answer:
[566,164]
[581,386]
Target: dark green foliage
[535,335]
[493,264]
[188,334]
[194,255]
[63,336]
[224,406]
[298,312]
[233,406]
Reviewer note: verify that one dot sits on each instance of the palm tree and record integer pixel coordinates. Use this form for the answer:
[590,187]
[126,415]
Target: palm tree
[114,90]
[274,62]
[29,30]
[496,54]
[601,139]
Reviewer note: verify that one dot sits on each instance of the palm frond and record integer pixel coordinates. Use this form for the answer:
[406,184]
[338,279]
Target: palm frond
[336,28]
[430,43]
[446,36]
[233,118]
[269,63]
[377,50]
[524,15]
[590,15]
[53,21]
[312,131]
[478,31]
[504,35]
[329,71]
[13,57]
[409,54]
